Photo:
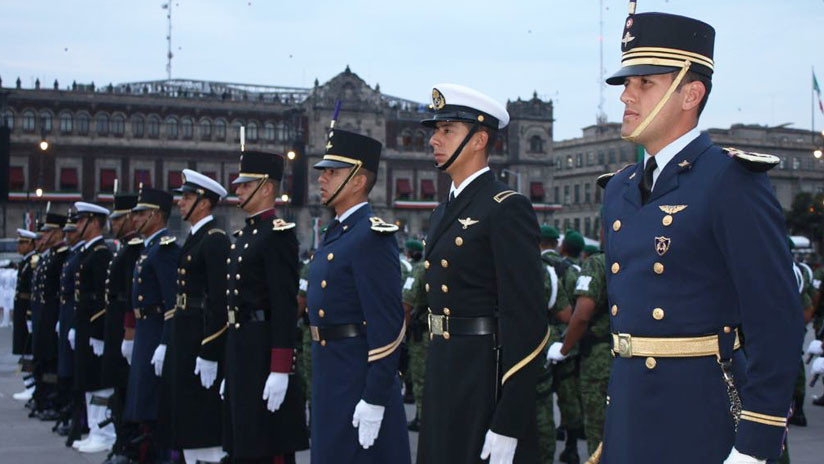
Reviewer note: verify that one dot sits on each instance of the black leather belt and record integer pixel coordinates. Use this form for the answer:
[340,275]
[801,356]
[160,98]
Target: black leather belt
[236,317]
[335,332]
[23,296]
[146,311]
[185,302]
[447,326]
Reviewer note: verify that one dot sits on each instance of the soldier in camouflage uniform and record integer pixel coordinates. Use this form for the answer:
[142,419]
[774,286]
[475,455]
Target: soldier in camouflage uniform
[406,281]
[589,328]
[305,363]
[818,313]
[805,278]
[414,305]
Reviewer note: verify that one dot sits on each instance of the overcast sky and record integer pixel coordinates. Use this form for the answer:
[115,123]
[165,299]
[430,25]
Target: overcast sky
[765,49]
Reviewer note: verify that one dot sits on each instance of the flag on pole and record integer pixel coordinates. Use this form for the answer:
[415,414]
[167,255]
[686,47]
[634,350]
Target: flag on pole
[817,90]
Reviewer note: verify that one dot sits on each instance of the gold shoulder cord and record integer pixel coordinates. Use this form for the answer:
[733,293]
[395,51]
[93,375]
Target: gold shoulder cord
[646,122]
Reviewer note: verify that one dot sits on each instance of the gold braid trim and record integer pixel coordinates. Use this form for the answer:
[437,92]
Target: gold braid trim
[384,351]
[214,335]
[526,360]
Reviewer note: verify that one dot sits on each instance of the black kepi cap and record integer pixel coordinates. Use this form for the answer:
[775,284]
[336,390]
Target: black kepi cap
[257,165]
[149,198]
[123,204]
[346,149]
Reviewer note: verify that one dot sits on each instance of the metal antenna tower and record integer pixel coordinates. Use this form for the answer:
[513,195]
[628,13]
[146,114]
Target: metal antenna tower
[601,117]
[169,55]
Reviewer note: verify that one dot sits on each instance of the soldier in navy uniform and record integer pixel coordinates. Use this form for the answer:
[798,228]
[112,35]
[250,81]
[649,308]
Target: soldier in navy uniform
[264,419]
[152,300]
[485,291]
[197,347]
[22,304]
[692,259]
[115,368]
[356,316]
[90,289]
[70,422]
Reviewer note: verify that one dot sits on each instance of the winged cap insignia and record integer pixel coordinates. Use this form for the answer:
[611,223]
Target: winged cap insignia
[467,222]
[672,209]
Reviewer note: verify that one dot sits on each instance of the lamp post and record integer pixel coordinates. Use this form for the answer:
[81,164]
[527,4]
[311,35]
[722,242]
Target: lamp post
[517,177]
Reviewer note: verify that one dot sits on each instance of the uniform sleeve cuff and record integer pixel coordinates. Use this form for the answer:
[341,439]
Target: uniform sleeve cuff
[283,360]
[759,439]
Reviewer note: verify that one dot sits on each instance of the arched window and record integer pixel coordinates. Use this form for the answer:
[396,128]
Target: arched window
[101,124]
[282,133]
[536,144]
[205,129]
[28,121]
[45,121]
[252,132]
[118,125]
[171,128]
[138,126]
[236,130]
[8,118]
[153,127]
[269,132]
[66,121]
[82,123]
[220,129]
[406,139]
[187,127]
[419,141]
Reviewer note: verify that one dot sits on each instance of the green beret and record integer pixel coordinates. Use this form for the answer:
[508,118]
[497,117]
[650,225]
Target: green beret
[573,241]
[591,249]
[549,233]
[413,245]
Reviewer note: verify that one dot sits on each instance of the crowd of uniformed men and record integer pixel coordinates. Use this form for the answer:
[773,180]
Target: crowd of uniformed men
[679,343]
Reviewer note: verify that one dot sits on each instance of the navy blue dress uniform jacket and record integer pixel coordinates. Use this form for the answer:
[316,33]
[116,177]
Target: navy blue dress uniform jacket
[115,370]
[355,279]
[153,300]
[707,252]
[262,318]
[45,346]
[90,307]
[483,260]
[65,354]
[22,304]
[198,330]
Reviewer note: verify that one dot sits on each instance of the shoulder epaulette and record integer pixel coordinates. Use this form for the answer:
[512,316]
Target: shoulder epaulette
[102,246]
[382,227]
[63,249]
[34,260]
[604,179]
[217,231]
[280,224]
[756,162]
[501,196]
[136,241]
[165,240]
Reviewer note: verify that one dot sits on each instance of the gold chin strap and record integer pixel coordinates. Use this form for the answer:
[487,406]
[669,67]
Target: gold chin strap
[255,191]
[646,122]
[352,171]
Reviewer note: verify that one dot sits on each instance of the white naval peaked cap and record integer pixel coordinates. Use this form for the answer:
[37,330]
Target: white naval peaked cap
[192,180]
[90,208]
[23,233]
[453,102]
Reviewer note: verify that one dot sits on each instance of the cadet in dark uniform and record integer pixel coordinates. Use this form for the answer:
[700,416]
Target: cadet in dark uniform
[265,416]
[195,357]
[356,316]
[153,300]
[90,291]
[115,368]
[691,257]
[22,303]
[485,289]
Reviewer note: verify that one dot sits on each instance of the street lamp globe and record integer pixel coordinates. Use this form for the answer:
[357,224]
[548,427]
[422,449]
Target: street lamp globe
[818,154]
[291,155]
[284,197]
[39,192]
[44,145]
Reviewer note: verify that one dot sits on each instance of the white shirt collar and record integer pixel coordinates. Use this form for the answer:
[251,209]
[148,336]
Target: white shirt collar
[551,251]
[457,190]
[78,245]
[91,242]
[200,224]
[350,211]
[668,153]
[149,238]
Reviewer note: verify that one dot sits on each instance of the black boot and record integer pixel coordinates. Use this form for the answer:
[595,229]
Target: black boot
[570,453]
[414,425]
[798,418]
[819,401]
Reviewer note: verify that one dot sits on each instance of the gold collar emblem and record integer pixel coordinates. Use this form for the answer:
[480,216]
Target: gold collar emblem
[467,222]
[684,164]
[662,245]
[672,209]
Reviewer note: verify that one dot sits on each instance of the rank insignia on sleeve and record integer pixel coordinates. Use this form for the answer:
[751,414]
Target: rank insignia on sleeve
[378,225]
[467,222]
[662,245]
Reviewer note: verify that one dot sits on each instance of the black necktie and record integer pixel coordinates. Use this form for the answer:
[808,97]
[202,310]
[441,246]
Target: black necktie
[334,225]
[451,197]
[646,182]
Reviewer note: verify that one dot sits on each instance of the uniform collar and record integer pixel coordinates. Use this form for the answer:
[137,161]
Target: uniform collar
[457,190]
[91,242]
[28,255]
[200,224]
[78,245]
[668,153]
[349,211]
[261,216]
[152,237]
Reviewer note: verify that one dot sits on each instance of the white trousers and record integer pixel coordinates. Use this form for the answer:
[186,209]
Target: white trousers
[213,454]
[97,414]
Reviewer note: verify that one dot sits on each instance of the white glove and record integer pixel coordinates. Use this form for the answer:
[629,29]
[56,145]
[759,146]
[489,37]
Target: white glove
[70,336]
[57,328]
[157,359]
[126,347]
[367,418]
[222,388]
[207,371]
[97,346]
[818,366]
[499,449]
[275,390]
[815,348]
[28,326]
[737,458]
[554,353]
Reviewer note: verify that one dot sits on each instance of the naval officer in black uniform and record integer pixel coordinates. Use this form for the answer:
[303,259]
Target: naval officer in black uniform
[265,419]
[484,287]
[356,316]
[197,342]
[692,261]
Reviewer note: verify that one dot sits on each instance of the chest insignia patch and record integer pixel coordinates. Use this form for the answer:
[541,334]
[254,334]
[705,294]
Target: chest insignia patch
[672,209]
[662,245]
[467,222]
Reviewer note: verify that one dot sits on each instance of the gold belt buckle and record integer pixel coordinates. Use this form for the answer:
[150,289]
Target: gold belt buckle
[624,348]
[313,330]
[180,301]
[436,324]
